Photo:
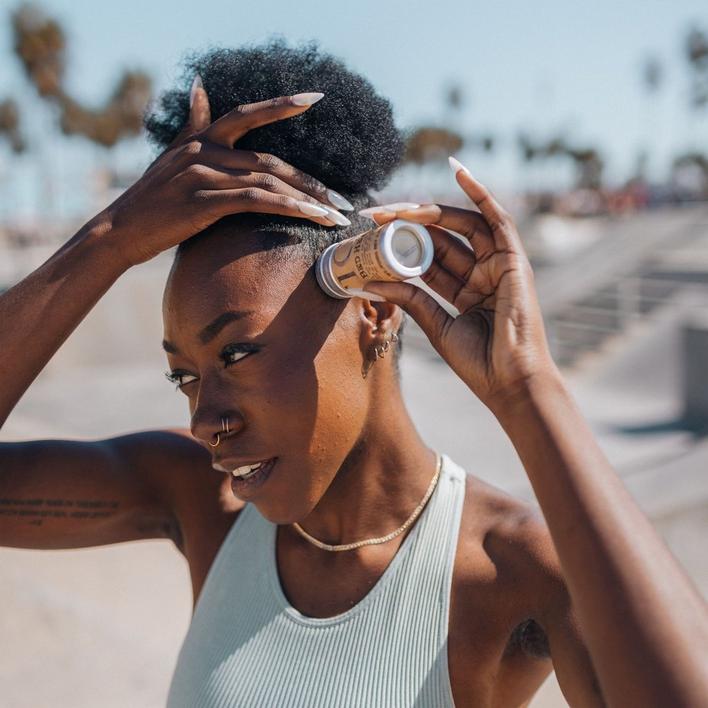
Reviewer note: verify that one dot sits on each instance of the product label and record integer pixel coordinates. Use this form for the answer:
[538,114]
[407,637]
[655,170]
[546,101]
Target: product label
[358,260]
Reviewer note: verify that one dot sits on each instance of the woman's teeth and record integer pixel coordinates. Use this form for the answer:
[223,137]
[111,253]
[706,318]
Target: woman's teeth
[246,470]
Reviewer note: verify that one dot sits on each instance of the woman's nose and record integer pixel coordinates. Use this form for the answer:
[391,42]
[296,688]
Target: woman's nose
[212,428]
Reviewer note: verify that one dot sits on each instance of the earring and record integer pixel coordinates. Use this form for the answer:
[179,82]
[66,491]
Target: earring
[369,362]
[379,352]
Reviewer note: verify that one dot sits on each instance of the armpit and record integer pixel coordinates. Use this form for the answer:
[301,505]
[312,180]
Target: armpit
[530,638]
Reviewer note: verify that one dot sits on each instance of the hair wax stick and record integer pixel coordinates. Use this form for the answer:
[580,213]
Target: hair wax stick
[395,251]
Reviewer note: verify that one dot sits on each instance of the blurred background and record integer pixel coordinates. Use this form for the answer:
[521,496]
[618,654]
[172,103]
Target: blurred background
[589,122]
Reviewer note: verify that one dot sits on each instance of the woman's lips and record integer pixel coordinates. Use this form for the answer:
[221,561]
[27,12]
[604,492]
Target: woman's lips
[246,471]
[255,480]
[229,464]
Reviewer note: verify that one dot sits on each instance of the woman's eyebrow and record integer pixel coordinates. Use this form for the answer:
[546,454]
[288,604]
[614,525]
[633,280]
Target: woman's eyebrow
[212,329]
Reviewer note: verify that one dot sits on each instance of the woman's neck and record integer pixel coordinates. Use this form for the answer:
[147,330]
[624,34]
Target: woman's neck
[379,484]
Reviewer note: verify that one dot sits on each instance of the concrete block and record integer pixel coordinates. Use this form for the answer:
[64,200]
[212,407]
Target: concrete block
[694,345]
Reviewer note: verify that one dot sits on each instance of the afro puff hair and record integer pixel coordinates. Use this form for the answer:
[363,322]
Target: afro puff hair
[348,140]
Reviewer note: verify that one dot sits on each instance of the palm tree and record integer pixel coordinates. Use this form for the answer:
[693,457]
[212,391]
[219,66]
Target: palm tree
[40,44]
[10,125]
[429,143]
[696,48]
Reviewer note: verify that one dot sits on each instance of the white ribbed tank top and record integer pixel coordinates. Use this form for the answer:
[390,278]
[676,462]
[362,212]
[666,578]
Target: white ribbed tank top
[248,647]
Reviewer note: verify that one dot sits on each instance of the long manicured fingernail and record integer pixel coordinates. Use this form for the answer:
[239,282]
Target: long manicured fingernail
[388,208]
[339,201]
[335,216]
[312,209]
[306,99]
[196,84]
[457,166]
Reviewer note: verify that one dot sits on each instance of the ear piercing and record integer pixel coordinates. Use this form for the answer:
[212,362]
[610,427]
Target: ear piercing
[379,351]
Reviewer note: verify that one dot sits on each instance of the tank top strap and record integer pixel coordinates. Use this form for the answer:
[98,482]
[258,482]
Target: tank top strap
[429,564]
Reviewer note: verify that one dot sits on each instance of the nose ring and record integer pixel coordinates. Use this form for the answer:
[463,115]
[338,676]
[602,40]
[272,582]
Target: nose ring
[224,429]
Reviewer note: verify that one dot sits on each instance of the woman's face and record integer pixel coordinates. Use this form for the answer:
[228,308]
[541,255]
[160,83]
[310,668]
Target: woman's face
[257,341]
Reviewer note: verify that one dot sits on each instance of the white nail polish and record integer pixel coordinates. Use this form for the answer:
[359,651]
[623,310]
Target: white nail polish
[401,206]
[335,216]
[388,208]
[312,209]
[371,211]
[339,201]
[306,99]
[196,84]
[457,165]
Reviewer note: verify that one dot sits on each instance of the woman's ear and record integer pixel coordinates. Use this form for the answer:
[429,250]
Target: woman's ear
[380,322]
[380,317]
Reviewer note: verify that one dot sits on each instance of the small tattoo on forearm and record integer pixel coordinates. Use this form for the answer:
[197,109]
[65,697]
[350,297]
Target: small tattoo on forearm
[36,510]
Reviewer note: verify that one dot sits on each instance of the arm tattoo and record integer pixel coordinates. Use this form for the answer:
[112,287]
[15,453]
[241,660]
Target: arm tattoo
[35,511]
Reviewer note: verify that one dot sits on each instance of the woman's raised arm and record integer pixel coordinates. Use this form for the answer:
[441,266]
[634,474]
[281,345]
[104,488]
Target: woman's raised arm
[41,311]
[68,493]
[644,623]
[196,181]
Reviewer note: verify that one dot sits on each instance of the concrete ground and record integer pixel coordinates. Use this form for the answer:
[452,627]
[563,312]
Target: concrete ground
[103,626]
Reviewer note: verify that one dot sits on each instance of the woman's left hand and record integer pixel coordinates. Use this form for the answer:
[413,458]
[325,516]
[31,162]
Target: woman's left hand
[497,343]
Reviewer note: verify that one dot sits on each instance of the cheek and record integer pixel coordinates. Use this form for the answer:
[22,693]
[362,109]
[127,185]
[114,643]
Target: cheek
[342,398]
[320,402]
[314,412]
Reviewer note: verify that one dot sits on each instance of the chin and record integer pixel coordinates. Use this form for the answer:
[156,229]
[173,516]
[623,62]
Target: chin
[292,504]
[280,514]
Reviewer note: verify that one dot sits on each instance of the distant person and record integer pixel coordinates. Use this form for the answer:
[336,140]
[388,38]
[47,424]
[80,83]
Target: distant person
[335,558]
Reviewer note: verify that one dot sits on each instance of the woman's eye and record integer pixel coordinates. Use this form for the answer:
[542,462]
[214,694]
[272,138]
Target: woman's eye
[235,352]
[232,357]
[181,378]
[229,355]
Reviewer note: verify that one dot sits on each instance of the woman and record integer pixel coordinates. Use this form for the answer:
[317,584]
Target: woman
[335,558]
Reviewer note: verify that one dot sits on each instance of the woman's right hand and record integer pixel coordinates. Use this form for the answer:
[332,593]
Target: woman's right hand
[200,178]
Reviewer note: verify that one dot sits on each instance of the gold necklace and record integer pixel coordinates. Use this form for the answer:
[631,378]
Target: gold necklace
[381,539]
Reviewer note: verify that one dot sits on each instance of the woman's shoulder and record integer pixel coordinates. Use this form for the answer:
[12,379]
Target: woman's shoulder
[506,536]
[197,492]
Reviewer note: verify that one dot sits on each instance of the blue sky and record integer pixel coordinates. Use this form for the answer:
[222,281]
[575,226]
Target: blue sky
[545,66]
